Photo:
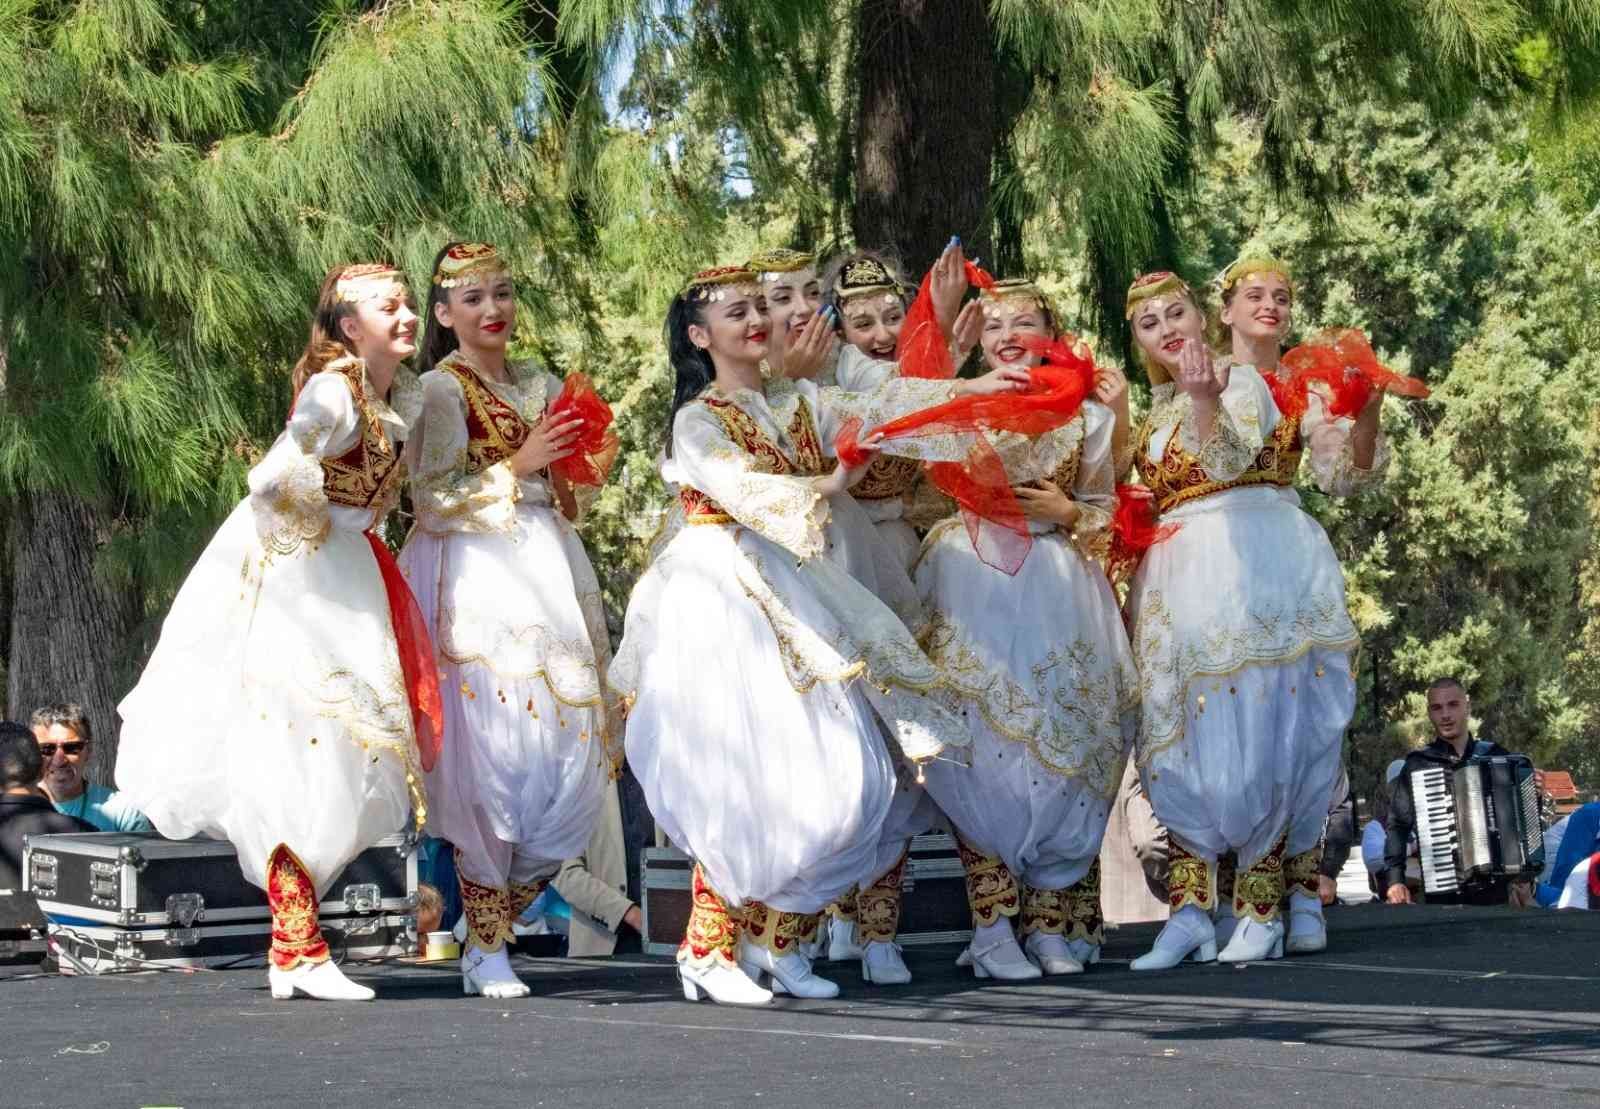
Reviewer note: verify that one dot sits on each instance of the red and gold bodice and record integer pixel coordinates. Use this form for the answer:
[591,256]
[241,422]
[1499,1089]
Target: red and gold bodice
[887,478]
[746,434]
[495,430]
[365,475]
[1179,477]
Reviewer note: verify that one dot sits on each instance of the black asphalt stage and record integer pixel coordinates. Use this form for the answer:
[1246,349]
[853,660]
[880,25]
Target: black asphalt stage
[1409,1007]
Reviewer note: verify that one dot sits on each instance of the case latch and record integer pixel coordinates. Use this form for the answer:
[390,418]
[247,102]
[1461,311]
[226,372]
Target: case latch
[183,909]
[362,897]
[42,874]
[105,884]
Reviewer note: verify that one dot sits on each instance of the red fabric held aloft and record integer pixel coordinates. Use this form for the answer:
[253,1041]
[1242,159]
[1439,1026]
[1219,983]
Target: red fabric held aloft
[596,446]
[1343,360]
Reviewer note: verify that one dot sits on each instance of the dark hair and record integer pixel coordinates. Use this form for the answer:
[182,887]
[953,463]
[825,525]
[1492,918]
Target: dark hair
[437,339]
[20,761]
[327,341]
[692,368]
[1444,683]
[68,714]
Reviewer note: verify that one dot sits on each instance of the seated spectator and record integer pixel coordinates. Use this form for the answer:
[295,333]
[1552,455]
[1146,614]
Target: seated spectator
[595,886]
[1571,875]
[64,739]
[1450,712]
[1375,833]
[24,809]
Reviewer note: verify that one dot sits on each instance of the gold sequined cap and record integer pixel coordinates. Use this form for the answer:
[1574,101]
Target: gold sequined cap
[779,259]
[716,283]
[864,277]
[467,264]
[1250,265]
[1016,294]
[1159,283]
[366,280]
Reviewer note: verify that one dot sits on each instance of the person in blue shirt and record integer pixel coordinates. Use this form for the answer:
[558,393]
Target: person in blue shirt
[1579,843]
[64,737]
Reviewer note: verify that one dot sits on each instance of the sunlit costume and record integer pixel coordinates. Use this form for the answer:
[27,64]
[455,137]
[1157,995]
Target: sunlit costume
[1246,651]
[276,710]
[1039,665]
[765,683]
[519,630]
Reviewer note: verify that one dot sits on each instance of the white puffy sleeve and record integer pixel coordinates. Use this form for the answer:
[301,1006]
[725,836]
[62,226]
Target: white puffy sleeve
[1095,487]
[446,495]
[1329,444]
[784,508]
[286,491]
[889,399]
[1237,434]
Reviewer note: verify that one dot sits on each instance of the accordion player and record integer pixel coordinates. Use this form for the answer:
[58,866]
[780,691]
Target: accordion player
[1479,820]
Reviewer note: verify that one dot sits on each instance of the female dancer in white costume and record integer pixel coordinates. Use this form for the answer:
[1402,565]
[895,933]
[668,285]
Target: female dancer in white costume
[513,607]
[763,679]
[1039,664]
[280,652]
[1246,650]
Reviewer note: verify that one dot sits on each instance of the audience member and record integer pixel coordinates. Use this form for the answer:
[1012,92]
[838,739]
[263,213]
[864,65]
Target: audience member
[595,886]
[1450,712]
[1573,873]
[64,739]
[1375,833]
[24,809]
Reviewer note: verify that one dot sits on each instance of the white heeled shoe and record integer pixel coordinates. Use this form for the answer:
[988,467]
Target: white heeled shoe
[721,982]
[790,974]
[1223,925]
[843,941]
[1188,932]
[994,953]
[489,974]
[1253,941]
[323,981]
[1051,954]
[1308,930]
[1084,951]
[883,965]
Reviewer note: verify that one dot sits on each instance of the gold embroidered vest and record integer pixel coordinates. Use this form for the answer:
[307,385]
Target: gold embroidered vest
[747,435]
[495,430]
[1179,478]
[365,475]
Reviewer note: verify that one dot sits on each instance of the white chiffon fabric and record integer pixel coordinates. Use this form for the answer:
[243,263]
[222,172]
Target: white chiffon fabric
[273,709]
[1246,650]
[1040,667]
[518,627]
[763,679]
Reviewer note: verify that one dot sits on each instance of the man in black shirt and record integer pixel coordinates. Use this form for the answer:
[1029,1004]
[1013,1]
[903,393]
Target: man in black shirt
[24,809]
[1450,711]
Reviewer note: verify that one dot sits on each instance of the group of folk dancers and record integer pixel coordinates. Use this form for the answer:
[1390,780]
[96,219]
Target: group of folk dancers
[819,662]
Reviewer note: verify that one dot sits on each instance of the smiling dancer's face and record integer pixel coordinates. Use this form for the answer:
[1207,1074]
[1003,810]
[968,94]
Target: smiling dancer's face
[1005,325]
[1161,326]
[483,315]
[382,327]
[736,330]
[1260,308]
[871,323]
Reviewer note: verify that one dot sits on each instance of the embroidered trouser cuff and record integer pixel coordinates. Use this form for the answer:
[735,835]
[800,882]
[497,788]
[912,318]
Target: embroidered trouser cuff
[845,907]
[878,908]
[487,909]
[991,890]
[713,931]
[292,896]
[1191,879]
[1301,872]
[1258,891]
[778,931]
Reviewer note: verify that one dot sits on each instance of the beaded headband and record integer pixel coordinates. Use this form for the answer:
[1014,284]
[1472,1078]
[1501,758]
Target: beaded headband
[773,263]
[864,277]
[1151,285]
[467,264]
[715,284]
[1250,266]
[1016,294]
[366,281]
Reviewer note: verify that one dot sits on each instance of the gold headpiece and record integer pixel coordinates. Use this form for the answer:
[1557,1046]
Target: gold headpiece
[716,283]
[1017,294]
[467,264]
[366,280]
[864,277]
[779,260]
[1151,285]
[1251,265]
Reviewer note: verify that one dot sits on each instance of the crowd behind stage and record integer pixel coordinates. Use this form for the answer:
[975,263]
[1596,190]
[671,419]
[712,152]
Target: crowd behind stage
[886,598]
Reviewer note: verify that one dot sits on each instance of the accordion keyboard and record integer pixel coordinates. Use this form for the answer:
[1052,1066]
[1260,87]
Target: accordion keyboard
[1433,798]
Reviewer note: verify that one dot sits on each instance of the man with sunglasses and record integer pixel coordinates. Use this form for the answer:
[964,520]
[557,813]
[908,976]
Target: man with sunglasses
[64,736]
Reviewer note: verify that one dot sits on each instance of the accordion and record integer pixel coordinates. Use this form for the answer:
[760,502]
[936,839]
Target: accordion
[1478,821]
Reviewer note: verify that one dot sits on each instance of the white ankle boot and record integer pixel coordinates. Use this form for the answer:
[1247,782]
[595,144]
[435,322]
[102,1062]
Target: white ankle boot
[1051,954]
[323,981]
[1188,932]
[791,973]
[994,953]
[1253,941]
[882,964]
[489,973]
[1223,923]
[723,983]
[1308,930]
[1084,951]
[843,943]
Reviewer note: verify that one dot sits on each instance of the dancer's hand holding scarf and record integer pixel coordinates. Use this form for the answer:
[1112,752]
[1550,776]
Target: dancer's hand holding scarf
[1343,360]
[595,448]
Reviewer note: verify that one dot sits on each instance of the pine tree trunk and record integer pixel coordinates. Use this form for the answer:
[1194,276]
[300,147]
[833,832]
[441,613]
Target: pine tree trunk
[70,636]
[925,128]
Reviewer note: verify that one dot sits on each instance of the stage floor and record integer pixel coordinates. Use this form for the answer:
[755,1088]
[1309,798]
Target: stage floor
[1409,1007]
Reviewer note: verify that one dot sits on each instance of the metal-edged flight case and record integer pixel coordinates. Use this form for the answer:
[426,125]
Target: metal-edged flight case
[117,900]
